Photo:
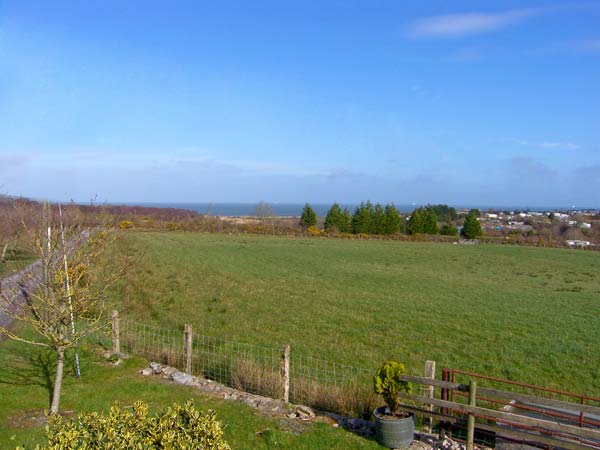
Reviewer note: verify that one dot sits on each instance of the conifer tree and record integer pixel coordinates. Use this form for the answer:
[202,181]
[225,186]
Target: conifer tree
[430,225]
[346,221]
[471,228]
[308,217]
[392,221]
[416,223]
[361,220]
[334,219]
[377,225]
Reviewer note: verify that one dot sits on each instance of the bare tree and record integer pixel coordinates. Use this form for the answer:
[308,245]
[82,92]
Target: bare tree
[265,214]
[263,211]
[63,300]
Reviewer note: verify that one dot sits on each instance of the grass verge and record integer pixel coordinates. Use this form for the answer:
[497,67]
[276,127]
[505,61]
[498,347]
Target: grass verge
[26,376]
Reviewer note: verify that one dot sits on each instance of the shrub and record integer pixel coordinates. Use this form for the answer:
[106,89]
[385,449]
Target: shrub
[449,230]
[314,231]
[308,218]
[173,226]
[387,382]
[176,427]
[126,224]
[471,228]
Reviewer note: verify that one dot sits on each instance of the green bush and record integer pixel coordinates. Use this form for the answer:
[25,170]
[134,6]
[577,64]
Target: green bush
[177,427]
[471,228]
[308,218]
[448,230]
[387,382]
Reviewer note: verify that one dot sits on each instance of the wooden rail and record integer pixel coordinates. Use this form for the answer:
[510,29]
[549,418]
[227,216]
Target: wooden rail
[549,432]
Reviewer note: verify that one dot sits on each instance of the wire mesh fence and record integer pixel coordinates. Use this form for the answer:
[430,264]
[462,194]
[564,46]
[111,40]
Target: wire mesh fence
[161,345]
[256,369]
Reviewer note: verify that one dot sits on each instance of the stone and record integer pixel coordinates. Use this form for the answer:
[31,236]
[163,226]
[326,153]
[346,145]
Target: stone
[155,367]
[147,371]
[304,412]
[182,378]
[168,371]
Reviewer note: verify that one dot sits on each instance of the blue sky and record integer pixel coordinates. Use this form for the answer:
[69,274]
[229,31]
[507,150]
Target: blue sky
[291,101]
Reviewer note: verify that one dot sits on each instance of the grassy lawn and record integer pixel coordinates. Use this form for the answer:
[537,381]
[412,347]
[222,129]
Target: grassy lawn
[15,263]
[530,314]
[26,373]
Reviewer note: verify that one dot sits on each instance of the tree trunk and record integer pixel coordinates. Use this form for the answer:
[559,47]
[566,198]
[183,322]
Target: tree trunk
[60,358]
[4,252]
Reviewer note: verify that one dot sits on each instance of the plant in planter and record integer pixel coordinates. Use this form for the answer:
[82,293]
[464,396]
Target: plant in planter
[393,428]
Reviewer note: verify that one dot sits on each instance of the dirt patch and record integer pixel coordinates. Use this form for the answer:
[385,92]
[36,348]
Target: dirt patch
[33,418]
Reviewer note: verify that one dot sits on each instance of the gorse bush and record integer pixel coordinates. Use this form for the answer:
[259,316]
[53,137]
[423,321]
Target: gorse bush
[126,224]
[177,427]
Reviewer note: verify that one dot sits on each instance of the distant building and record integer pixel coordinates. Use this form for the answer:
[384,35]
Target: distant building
[577,243]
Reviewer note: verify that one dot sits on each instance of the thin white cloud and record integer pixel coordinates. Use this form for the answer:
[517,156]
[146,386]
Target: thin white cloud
[463,24]
[588,46]
[177,162]
[550,144]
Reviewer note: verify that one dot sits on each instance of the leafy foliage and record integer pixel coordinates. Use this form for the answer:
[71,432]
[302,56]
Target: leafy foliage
[444,213]
[449,230]
[387,382]
[177,427]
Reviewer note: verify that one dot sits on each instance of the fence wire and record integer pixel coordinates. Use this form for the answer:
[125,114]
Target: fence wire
[318,383]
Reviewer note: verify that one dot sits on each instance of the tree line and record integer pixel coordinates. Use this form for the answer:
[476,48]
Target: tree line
[386,220]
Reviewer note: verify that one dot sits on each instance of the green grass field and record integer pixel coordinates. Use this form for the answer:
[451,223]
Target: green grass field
[529,314]
[26,373]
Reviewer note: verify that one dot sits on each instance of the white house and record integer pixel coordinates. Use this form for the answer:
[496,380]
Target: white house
[577,243]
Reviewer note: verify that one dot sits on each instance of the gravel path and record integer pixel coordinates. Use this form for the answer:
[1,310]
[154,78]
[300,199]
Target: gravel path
[16,286]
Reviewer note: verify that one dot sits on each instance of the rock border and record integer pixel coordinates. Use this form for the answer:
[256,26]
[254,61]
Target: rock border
[299,414]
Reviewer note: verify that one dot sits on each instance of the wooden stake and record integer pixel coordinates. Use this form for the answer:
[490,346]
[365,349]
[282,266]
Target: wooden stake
[284,373]
[429,373]
[115,333]
[188,348]
[471,419]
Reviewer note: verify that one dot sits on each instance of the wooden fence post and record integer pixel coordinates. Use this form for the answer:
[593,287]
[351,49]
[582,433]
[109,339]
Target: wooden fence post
[471,419]
[429,373]
[115,333]
[444,395]
[284,373]
[187,342]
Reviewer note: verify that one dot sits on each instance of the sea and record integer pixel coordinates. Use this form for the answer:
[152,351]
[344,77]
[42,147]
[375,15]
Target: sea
[295,209]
